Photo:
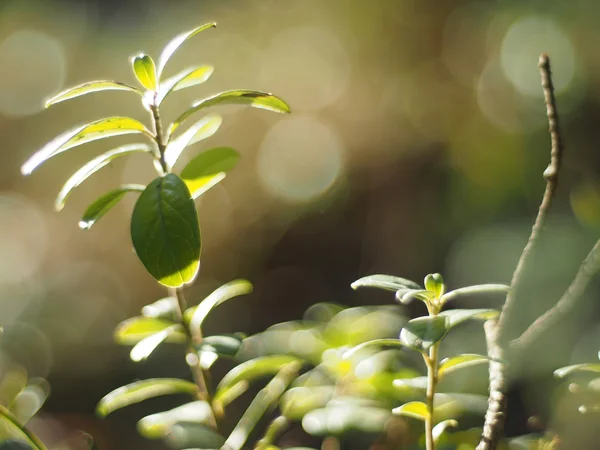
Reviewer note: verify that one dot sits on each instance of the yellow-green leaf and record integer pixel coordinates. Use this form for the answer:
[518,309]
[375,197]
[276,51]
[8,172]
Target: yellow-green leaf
[435,283]
[449,365]
[88,88]
[99,129]
[11,429]
[416,410]
[157,425]
[30,400]
[377,343]
[470,291]
[207,168]
[145,71]
[146,346]
[184,79]
[440,428]
[105,203]
[203,129]
[132,331]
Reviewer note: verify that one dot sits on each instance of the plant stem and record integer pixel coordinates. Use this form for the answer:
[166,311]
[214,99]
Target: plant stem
[432,378]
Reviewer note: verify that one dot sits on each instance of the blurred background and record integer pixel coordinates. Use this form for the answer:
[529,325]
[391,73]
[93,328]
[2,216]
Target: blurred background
[416,144]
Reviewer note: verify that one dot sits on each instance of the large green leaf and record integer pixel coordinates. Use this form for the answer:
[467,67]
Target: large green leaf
[134,330]
[99,129]
[251,370]
[88,88]
[94,166]
[30,400]
[203,129]
[143,390]
[208,168]
[176,42]
[105,203]
[158,425]
[195,316]
[256,99]
[387,282]
[165,231]
[423,332]
[11,429]
[184,79]
[145,71]
[564,371]
[480,289]
[146,346]
[415,410]
[449,365]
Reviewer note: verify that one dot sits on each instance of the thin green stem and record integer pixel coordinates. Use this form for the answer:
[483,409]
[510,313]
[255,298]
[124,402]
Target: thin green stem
[432,378]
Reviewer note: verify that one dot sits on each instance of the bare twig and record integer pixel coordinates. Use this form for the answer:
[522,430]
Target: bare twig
[589,267]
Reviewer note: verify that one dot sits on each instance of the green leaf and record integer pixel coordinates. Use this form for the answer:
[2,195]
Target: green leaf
[145,71]
[203,129]
[11,429]
[419,383]
[194,436]
[377,343]
[405,296]
[251,370]
[441,427]
[89,87]
[415,410]
[449,365]
[481,289]
[92,167]
[146,346]
[165,231]
[342,419]
[143,390]
[184,79]
[223,345]
[299,401]
[165,308]
[176,42]
[207,168]
[423,332]
[105,203]
[256,99]
[30,400]
[387,282]
[457,316]
[134,330]
[568,370]
[435,283]
[99,129]
[158,425]
[195,316]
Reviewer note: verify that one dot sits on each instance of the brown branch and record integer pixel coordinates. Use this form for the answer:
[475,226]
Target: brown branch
[589,267]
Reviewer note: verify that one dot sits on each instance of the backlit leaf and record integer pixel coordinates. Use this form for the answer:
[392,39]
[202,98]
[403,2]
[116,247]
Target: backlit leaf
[256,99]
[387,282]
[435,283]
[165,231]
[203,129]
[207,167]
[30,400]
[89,87]
[184,79]
[223,345]
[11,429]
[449,365]
[405,296]
[377,343]
[415,410]
[423,332]
[132,331]
[165,308]
[298,401]
[99,129]
[145,71]
[105,203]
[92,167]
[143,390]
[146,346]
[158,425]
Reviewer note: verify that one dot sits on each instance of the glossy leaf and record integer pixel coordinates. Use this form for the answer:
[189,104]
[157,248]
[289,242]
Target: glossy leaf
[99,129]
[165,308]
[435,283]
[251,370]
[146,346]
[145,71]
[143,390]
[449,365]
[105,203]
[256,99]
[194,436]
[30,400]
[93,166]
[195,316]
[564,371]
[207,168]
[415,410]
[134,330]
[223,345]
[423,332]
[481,289]
[11,429]
[176,42]
[203,129]
[184,79]
[158,425]
[88,88]
[165,231]
[455,317]
[387,282]
[377,343]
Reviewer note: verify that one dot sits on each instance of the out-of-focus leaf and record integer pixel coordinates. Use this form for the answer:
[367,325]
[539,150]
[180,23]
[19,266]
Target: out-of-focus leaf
[88,88]
[99,129]
[253,369]
[92,167]
[455,317]
[10,429]
[452,405]
[435,283]
[203,129]
[342,419]
[194,436]
[441,427]
[377,343]
[256,99]
[480,289]
[158,425]
[564,371]
[143,349]
[143,390]
[223,345]
[449,365]
[30,400]
[176,42]
[419,383]
[298,401]
[165,308]
[105,203]
[145,71]
[207,167]
[195,315]
[423,332]
[134,330]
[184,79]
[165,231]
[78,440]
[12,381]
[387,282]
[415,410]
